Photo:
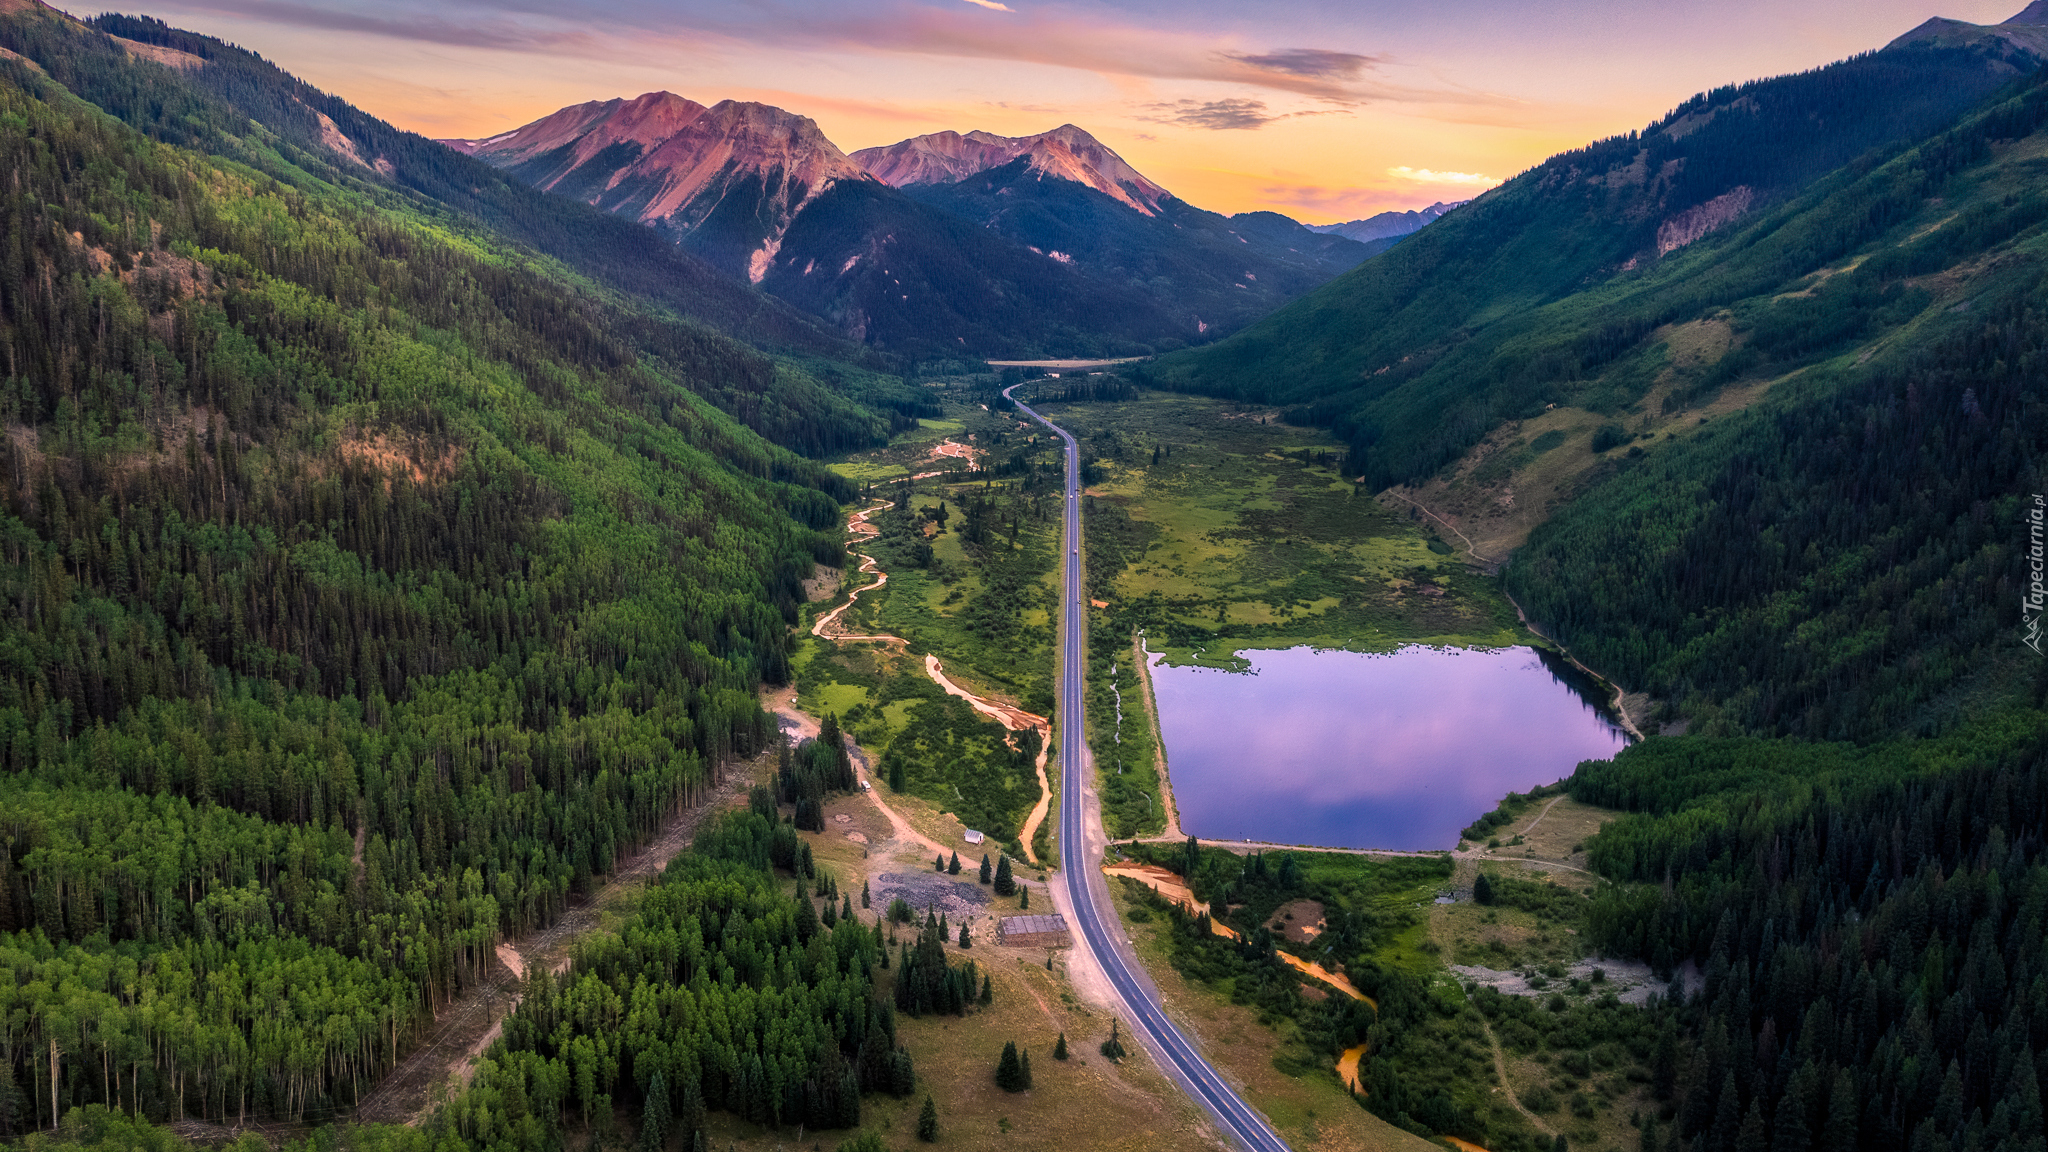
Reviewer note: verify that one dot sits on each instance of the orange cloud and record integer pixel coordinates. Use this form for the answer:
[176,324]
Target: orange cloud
[1426,176]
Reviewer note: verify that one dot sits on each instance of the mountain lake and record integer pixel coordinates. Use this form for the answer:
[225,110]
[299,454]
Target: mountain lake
[1396,750]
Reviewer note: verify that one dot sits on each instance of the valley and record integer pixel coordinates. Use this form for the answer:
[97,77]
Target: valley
[648,630]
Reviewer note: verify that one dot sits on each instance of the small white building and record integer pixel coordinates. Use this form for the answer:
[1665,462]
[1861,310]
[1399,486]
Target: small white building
[974,837]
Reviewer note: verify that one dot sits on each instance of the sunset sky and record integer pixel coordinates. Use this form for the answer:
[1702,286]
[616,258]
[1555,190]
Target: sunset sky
[1325,110]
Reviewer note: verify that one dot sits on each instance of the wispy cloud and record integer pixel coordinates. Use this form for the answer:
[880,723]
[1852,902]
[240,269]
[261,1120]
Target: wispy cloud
[1428,176]
[499,34]
[1088,40]
[1212,114]
[1315,62]
[1221,115]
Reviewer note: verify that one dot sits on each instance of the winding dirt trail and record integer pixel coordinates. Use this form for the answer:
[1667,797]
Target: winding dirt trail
[1012,719]
[1424,509]
[1500,1060]
[464,1028]
[1541,815]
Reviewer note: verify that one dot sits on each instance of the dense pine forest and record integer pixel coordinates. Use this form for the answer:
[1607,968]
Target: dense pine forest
[373,583]
[1870,925]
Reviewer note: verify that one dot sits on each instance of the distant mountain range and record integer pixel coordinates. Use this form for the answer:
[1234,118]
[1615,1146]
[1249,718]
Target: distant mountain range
[1388,225]
[944,244]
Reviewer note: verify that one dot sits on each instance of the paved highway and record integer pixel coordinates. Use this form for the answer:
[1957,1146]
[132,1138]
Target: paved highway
[1088,907]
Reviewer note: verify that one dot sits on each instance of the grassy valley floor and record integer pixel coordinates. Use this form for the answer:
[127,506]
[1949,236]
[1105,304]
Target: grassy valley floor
[1211,529]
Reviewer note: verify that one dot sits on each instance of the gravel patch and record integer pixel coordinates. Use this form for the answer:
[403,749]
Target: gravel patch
[936,890]
[1631,981]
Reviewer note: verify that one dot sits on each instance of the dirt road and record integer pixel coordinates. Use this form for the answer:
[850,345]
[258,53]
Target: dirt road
[1014,719]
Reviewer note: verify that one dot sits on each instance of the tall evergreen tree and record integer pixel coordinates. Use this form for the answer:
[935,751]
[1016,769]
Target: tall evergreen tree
[1010,1069]
[654,1118]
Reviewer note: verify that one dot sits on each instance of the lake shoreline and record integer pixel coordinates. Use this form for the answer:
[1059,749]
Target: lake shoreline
[1431,786]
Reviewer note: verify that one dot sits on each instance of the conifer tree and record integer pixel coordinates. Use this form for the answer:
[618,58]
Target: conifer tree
[1752,1136]
[1792,1133]
[1059,1050]
[953,865]
[1841,1129]
[1023,896]
[1114,1046]
[1005,884]
[866,900]
[690,1117]
[1009,1070]
[938,863]
[988,990]
[806,919]
[654,1121]
[928,1122]
[966,941]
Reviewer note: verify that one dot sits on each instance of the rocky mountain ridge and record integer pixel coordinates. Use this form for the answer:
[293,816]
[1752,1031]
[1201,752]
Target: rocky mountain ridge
[662,158]
[1066,153]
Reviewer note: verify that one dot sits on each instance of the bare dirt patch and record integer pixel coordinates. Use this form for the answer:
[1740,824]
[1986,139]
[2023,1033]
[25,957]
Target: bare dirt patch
[1299,921]
[823,583]
[158,53]
[405,455]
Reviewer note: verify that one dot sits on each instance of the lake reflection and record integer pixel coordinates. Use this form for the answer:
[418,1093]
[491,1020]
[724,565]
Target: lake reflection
[1350,750]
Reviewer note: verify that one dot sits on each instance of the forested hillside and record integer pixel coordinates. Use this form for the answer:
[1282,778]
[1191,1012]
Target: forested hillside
[900,276]
[1843,561]
[723,993]
[1846,558]
[370,585]
[232,104]
[1870,925]
[1513,302]
[1214,273]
